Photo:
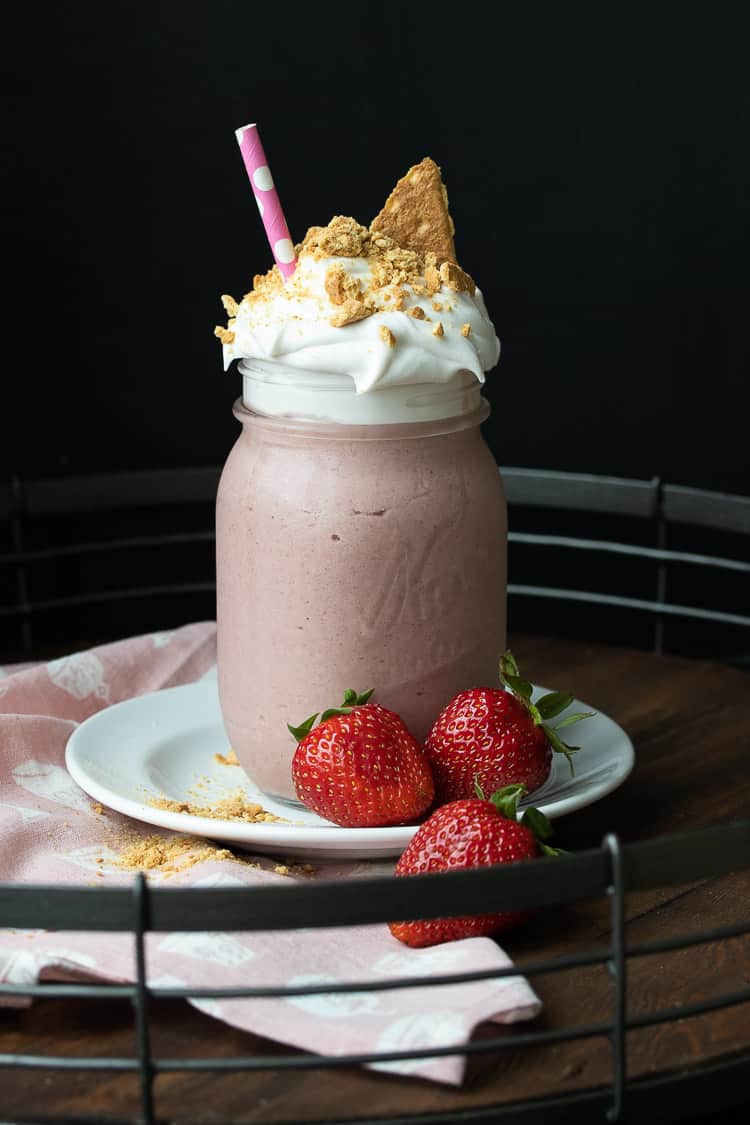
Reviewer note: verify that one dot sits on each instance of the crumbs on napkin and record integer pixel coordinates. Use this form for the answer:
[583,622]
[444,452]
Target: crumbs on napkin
[170,855]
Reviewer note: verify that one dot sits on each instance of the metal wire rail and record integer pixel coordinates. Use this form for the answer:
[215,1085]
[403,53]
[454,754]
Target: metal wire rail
[611,870]
[654,501]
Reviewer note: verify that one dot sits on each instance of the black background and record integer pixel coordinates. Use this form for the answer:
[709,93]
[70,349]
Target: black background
[597,156]
[597,160]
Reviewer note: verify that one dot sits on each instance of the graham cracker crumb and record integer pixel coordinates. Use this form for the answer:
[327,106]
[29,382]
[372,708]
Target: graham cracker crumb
[465,329]
[417,312]
[234,807]
[265,285]
[340,286]
[431,275]
[168,854]
[387,336]
[229,759]
[456,278]
[230,305]
[394,267]
[351,310]
[438,330]
[294,868]
[344,237]
[224,334]
[98,808]
[437,306]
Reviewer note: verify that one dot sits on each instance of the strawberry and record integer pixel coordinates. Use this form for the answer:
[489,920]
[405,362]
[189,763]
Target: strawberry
[497,737]
[361,767]
[471,833]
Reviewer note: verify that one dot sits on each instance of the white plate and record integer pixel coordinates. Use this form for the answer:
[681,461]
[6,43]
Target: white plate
[162,744]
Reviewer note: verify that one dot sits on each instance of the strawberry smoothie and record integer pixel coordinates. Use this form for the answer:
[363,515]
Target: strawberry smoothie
[361,526]
[354,556]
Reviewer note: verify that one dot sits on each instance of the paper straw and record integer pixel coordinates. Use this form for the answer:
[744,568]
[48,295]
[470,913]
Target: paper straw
[267,199]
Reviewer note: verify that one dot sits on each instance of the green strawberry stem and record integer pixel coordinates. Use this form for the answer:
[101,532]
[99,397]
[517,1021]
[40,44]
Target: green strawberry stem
[547,707]
[506,801]
[351,700]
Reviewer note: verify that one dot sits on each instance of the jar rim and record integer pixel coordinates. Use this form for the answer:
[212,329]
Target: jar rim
[347,431]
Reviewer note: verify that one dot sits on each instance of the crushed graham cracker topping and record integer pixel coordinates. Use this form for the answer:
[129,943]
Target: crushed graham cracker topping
[456,279]
[387,336]
[344,237]
[353,309]
[341,286]
[465,329]
[408,251]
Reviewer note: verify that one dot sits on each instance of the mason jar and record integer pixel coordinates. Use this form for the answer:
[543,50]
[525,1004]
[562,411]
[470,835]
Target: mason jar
[358,545]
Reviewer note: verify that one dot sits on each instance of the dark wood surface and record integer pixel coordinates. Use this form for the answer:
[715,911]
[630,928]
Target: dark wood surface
[687,721]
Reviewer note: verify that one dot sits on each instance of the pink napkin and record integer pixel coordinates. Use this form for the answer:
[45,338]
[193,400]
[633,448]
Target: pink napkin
[50,832]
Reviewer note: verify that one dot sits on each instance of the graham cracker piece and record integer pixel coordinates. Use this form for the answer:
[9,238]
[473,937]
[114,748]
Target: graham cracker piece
[456,278]
[431,275]
[351,310]
[416,213]
[266,285]
[342,238]
[340,286]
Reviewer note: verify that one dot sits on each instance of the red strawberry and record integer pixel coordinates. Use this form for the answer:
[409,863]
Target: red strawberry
[360,767]
[497,738]
[471,833]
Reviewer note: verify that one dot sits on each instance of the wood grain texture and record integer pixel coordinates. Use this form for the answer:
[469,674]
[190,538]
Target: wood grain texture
[686,721]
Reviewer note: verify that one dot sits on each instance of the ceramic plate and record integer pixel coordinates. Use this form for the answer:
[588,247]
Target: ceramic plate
[163,745]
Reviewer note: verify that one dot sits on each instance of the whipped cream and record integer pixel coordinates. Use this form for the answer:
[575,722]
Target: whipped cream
[290,327]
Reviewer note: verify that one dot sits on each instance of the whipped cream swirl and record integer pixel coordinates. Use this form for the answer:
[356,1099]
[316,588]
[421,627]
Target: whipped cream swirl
[409,336]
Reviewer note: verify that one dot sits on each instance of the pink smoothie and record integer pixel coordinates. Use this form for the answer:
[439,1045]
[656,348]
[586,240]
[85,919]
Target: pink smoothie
[354,556]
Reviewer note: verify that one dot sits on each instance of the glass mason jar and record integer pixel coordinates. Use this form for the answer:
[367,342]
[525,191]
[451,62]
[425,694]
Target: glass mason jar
[366,555]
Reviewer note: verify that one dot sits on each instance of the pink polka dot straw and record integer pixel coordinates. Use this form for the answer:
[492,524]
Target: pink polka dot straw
[267,199]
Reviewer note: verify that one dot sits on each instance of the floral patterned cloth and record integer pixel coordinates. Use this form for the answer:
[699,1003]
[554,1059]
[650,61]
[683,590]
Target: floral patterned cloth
[53,833]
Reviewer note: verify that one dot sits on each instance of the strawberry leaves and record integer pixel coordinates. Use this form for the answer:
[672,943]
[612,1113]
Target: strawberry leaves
[553,704]
[351,700]
[547,707]
[506,802]
[304,728]
[542,829]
